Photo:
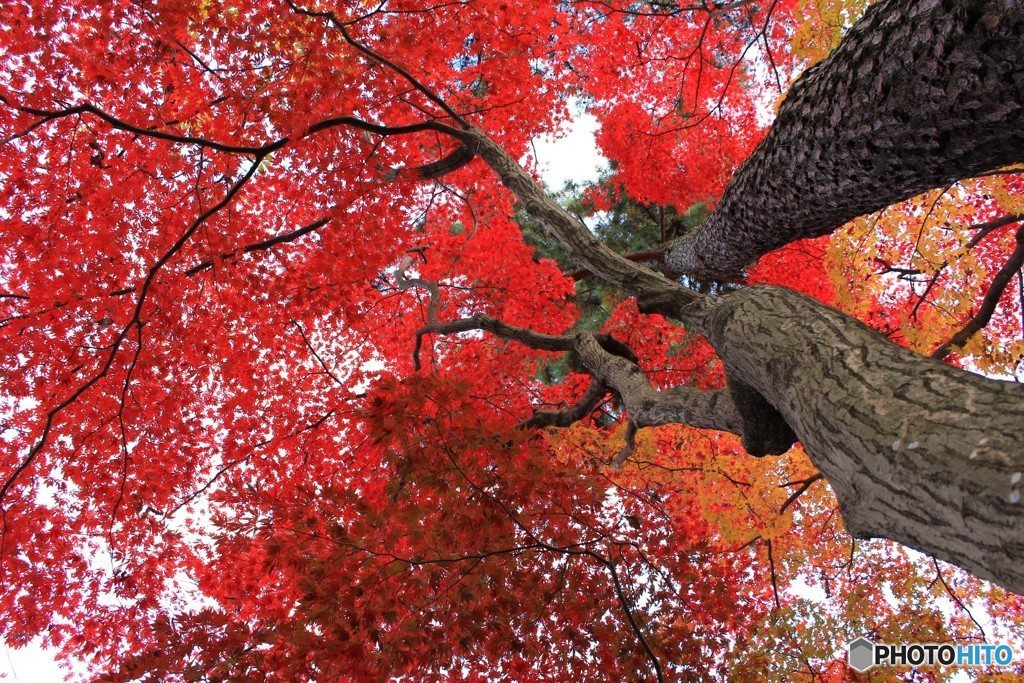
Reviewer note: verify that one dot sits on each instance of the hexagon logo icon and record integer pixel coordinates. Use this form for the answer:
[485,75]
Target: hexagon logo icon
[862,654]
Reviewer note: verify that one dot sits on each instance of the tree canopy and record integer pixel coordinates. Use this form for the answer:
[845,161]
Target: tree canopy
[305,376]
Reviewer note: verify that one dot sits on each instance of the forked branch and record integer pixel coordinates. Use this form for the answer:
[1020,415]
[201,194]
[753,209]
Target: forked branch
[611,363]
[587,404]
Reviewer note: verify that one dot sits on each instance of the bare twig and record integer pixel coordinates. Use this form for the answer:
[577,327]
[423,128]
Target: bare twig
[804,485]
[316,354]
[260,246]
[632,621]
[454,160]
[237,461]
[378,58]
[954,597]
[775,583]
[136,321]
[988,305]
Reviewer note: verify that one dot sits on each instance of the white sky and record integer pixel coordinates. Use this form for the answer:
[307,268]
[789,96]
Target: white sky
[31,664]
[572,157]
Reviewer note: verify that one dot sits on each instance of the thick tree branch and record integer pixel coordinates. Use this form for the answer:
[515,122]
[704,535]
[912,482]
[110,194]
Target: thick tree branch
[629,447]
[648,407]
[916,96]
[480,321]
[587,404]
[449,163]
[988,227]
[613,366]
[385,131]
[765,431]
[915,450]
[655,255]
[653,291]
[521,335]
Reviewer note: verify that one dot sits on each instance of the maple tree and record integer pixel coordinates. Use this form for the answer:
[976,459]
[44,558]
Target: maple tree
[305,376]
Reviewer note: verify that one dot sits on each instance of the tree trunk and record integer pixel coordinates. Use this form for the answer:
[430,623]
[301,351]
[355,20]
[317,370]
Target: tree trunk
[916,96]
[916,451]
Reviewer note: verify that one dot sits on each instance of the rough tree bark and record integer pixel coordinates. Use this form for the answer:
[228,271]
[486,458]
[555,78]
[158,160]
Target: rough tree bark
[916,96]
[916,451]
